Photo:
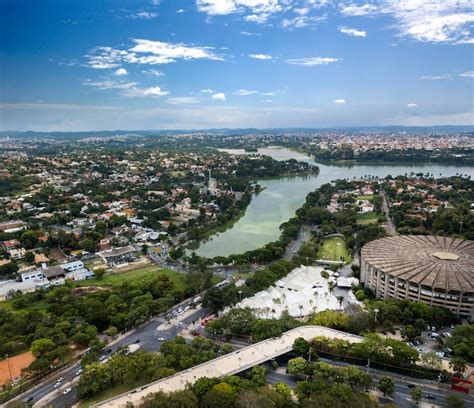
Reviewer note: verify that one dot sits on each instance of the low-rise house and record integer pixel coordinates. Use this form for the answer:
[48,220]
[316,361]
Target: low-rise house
[54,273]
[17,253]
[11,244]
[9,288]
[12,226]
[32,275]
[118,256]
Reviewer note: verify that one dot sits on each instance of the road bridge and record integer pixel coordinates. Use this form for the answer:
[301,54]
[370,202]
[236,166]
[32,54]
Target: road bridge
[230,364]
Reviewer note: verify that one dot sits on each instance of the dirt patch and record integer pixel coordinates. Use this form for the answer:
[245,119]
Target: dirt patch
[11,368]
[85,290]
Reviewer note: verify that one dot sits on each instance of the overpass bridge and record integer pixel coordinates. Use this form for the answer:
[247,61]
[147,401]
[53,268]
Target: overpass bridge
[229,364]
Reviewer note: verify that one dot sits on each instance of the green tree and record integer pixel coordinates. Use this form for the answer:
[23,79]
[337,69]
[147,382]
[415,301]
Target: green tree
[41,347]
[453,401]
[298,366]
[458,365]
[386,385]
[258,375]
[416,393]
[99,273]
[301,346]
[226,348]
[220,395]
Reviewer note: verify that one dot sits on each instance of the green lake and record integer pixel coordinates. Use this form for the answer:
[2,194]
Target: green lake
[282,197]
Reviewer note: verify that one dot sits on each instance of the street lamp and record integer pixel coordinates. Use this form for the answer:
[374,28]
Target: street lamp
[240,295]
[375,315]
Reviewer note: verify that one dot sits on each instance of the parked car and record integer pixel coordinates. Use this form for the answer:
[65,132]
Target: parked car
[67,391]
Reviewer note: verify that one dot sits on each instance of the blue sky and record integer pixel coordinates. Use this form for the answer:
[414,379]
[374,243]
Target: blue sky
[97,64]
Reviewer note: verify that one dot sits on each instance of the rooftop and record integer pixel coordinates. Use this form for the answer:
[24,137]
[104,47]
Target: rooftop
[444,263]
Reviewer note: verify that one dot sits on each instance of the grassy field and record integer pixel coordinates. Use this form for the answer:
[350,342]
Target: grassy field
[116,279]
[365,197]
[368,218]
[334,249]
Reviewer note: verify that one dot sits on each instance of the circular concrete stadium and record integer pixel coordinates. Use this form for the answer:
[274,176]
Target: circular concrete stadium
[431,269]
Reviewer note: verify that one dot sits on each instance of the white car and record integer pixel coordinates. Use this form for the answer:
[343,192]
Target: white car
[161,339]
[180,323]
[79,372]
[102,358]
[67,391]
[57,385]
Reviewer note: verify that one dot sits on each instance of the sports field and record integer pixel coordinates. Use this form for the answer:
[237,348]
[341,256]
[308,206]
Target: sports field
[334,249]
[11,368]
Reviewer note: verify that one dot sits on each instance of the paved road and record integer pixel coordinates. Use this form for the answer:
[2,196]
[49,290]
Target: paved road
[390,226]
[401,395]
[147,336]
[231,363]
[295,245]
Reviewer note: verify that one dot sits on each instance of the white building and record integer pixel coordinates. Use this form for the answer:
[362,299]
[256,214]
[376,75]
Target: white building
[32,275]
[302,292]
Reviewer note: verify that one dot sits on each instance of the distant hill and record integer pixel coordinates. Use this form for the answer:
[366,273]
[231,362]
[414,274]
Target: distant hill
[241,131]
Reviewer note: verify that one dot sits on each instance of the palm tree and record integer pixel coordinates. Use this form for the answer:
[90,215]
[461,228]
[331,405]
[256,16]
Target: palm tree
[340,299]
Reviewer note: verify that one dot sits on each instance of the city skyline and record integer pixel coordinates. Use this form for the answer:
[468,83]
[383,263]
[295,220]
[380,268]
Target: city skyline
[234,63]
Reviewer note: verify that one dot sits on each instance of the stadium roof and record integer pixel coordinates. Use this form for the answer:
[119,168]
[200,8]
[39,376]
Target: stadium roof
[443,263]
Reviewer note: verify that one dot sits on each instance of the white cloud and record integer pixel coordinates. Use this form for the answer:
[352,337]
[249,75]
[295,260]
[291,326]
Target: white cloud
[154,72]
[412,105]
[261,56]
[301,21]
[339,101]
[223,7]
[121,72]
[249,34]
[245,92]
[106,84]
[179,11]
[126,88]
[207,91]
[435,77]
[269,94]
[467,74]
[143,15]
[148,52]
[423,20]
[301,11]
[312,61]
[164,53]
[257,18]
[143,92]
[352,31]
[182,100]
[359,10]
[219,96]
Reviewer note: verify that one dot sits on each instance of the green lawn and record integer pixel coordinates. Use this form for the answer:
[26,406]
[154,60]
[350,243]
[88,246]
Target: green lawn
[365,197]
[334,249]
[368,218]
[116,278]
